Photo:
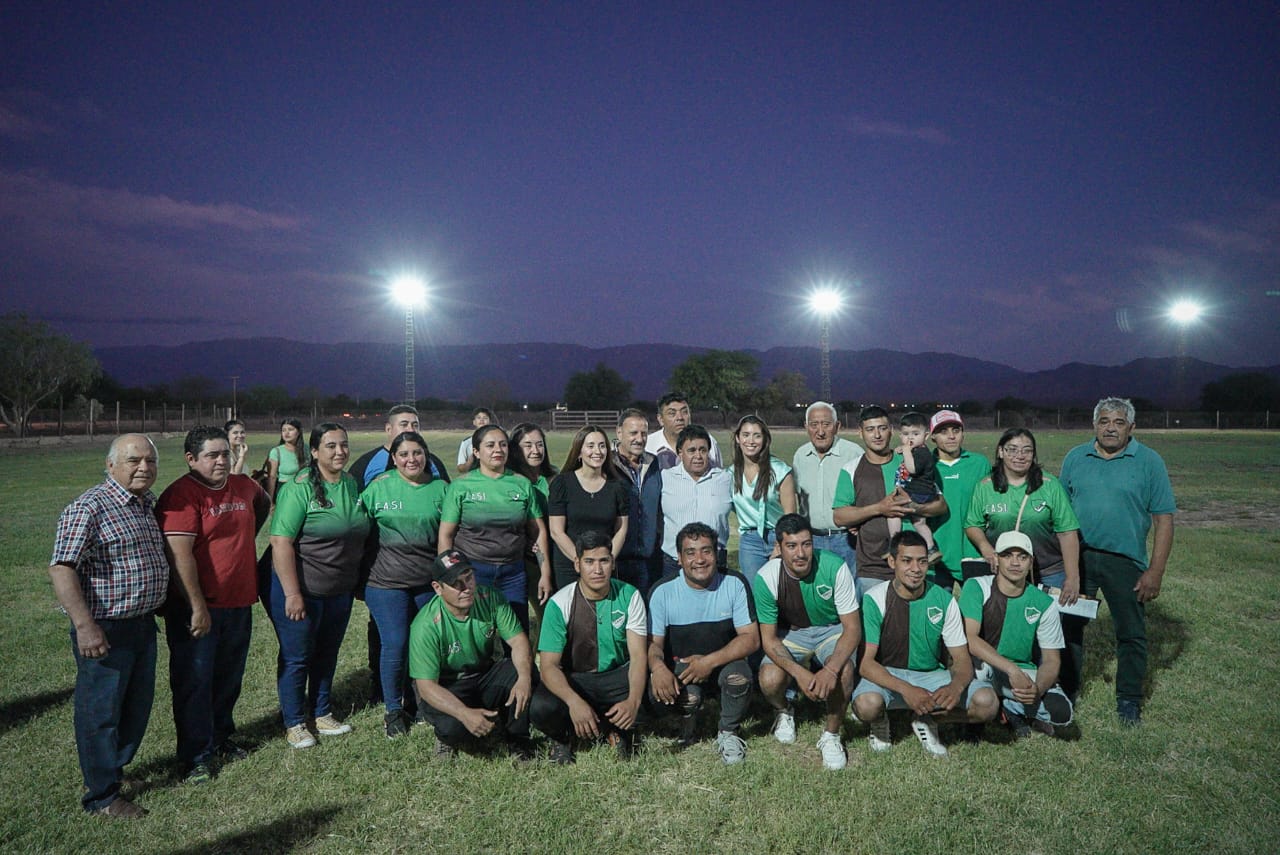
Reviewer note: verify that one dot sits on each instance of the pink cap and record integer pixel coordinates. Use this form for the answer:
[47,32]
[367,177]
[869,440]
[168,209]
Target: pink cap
[944,417]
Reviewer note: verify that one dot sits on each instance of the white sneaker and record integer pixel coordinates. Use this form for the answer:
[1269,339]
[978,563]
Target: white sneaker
[784,728]
[731,747]
[880,738]
[927,732]
[833,754]
[299,737]
[327,725]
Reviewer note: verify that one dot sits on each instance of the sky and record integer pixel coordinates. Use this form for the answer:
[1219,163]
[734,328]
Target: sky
[1030,183]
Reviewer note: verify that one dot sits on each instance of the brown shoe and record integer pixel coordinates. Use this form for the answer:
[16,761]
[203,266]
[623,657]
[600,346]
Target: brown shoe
[121,808]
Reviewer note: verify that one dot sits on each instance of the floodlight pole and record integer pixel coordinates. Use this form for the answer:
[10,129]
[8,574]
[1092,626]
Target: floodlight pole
[824,344]
[410,390]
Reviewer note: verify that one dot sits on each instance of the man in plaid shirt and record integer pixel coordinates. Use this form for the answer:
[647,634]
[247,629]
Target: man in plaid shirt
[110,574]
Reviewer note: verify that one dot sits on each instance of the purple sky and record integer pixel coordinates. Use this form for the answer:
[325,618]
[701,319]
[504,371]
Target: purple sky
[1022,185]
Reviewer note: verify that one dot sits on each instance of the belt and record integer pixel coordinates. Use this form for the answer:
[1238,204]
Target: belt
[829,532]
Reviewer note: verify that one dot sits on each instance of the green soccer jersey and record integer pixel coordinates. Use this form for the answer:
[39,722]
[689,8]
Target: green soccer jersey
[592,636]
[444,648]
[1012,625]
[491,514]
[957,478]
[407,518]
[825,595]
[1045,513]
[328,537]
[911,633]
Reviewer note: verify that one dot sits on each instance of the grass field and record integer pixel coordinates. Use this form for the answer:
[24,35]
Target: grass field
[1199,775]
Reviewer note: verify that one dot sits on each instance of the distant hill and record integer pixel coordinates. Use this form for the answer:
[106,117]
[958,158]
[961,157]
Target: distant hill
[539,371]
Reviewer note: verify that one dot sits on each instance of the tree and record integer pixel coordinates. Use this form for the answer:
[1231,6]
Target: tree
[1247,392]
[37,363]
[784,392]
[720,379]
[602,388]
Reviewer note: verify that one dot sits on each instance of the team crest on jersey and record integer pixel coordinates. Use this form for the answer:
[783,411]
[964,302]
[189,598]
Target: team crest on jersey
[455,647]
[1031,613]
[489,631]
[516,496]
[1039,507]
[619,618]
[934,613]
[824,591]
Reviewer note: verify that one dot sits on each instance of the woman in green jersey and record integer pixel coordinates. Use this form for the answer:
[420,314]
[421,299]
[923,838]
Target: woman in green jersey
[1020,496]
[318,535]
[404,507]
[286,459]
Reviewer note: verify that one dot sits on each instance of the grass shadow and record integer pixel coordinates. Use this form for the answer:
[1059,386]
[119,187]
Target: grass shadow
[17,712]
[1166,640]
[282,835]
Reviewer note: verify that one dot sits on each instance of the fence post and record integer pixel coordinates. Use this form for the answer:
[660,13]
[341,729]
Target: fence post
[1217,419]
[142,427]
[117,418]
[59,415]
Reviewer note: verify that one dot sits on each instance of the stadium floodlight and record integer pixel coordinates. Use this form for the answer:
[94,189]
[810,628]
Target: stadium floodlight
[1185,312]
[409,291]
[826,302]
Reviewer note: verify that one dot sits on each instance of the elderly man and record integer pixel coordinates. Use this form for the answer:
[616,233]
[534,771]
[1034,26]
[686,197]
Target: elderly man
[210,519]
[695,490]
[636,563]
[816,467]
[1119,489]
[865,498]
[110,575]
[673,417]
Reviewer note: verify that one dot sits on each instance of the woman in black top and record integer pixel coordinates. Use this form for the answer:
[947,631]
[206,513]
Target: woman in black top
[589,493]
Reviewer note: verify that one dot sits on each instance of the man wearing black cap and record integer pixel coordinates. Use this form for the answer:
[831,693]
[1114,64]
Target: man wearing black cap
[456,661]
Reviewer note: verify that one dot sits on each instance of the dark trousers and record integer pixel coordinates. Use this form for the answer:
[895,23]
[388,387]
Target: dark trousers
[635,572]
[113,705]
[490,691]
[205,675]
[392,611]
[1114,575]
[600,689]
[734,680]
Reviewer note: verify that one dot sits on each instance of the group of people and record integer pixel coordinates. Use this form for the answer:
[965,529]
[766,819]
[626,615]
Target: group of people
[847,556]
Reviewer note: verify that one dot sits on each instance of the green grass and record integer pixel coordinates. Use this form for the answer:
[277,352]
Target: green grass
[1201,774]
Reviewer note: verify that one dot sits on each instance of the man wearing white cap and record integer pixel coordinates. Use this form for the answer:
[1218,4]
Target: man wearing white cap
[1004,618]
[959,471]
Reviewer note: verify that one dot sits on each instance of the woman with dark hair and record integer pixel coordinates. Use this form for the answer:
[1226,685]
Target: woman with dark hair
[588,494]
[286,459]
[404,508]
[763,490]
[318,536]
[1020,496]
[491,515]
[528,457]
[237,435]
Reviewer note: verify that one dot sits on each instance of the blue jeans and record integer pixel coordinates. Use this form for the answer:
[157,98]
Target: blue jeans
[113,705]
[511,581]
[308,652]
[840,545]
[393,609]
[753,552]
[205,676]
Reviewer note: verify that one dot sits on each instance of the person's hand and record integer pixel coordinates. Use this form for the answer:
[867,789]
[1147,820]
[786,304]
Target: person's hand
[1022,686]
[665,686]
[622,715]
[545,588]
[919,700]
[824,682]
[585,723]
[946,698]
[92,641]
[521,692]
[1070,592]
[896,504]
[696,670]
[479,722]
[1148,587]
[990,555]
[295,608]
[200,621]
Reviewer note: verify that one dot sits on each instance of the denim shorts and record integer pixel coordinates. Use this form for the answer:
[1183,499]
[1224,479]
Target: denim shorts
[811,642]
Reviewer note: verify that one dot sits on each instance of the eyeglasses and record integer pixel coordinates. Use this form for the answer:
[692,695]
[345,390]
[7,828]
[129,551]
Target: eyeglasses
[1021,451]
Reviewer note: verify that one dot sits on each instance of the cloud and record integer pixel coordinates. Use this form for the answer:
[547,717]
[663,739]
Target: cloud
[19,127]
[1069,294]
[131,320]
[864,126]
[27,195]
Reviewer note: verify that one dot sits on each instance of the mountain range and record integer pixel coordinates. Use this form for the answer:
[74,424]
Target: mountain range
[539,371]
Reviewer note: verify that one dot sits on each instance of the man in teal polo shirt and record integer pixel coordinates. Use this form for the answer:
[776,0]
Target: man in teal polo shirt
[1120,490]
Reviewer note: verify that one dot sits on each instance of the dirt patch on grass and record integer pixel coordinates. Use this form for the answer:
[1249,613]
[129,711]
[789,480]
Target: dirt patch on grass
[1229,515]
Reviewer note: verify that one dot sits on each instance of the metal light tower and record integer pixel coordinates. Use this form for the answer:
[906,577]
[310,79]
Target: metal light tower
[409,291]
[826,303]
[1183,314]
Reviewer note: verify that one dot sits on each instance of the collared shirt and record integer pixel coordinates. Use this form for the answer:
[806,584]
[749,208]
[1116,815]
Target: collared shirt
[645,485]
[1114,498]
[113,540]
[816,476]
[707,500]
[667,457]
